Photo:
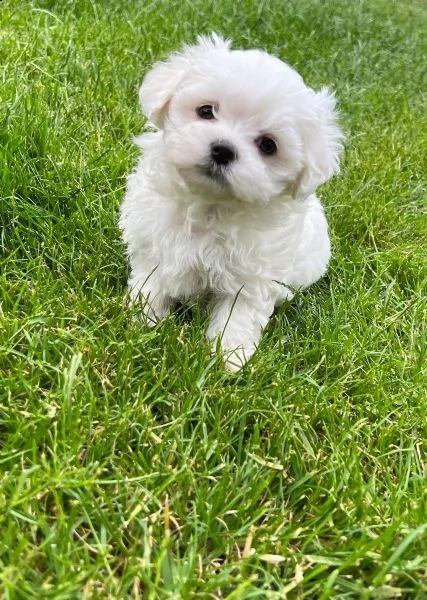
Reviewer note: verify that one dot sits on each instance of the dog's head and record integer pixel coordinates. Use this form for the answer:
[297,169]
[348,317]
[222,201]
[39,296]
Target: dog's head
[242,122]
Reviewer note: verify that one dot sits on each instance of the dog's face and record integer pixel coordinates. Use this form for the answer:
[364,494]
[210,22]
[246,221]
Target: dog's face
[242,123]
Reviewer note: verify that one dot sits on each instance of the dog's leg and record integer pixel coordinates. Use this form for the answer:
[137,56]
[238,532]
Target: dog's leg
[144,288]
[237,322]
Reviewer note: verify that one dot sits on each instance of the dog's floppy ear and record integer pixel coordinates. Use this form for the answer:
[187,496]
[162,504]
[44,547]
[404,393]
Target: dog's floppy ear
[165,78]
[160,84]
[321,138]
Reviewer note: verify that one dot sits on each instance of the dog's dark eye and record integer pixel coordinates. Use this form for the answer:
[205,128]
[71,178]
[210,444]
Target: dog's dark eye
[206,111]
[266,145]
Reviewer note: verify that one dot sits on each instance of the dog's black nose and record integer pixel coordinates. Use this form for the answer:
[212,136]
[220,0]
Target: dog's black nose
[223,153]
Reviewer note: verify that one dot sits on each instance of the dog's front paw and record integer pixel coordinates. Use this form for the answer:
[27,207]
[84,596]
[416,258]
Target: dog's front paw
[236,358]
[236,326]
[154,308]
[235,351]
[152,315]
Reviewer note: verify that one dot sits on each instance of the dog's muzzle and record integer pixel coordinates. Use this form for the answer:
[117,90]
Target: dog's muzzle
[222,155]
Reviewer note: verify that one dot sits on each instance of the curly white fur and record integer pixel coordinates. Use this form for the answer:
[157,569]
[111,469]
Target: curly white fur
[249,231]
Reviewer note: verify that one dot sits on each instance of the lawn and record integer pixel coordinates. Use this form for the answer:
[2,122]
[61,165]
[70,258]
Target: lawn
[132,465]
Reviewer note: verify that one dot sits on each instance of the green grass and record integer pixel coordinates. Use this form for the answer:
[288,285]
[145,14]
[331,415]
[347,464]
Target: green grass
[131,465]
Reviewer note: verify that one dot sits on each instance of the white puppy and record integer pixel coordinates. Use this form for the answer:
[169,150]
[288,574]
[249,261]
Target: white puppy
[222,200]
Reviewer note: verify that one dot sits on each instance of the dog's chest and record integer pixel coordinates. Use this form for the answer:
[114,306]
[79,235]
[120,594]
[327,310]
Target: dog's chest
[204,238]
[205,234]
[210,247]
[202,223]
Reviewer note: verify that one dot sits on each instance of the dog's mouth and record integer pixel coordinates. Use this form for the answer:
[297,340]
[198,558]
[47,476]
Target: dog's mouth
[215,173]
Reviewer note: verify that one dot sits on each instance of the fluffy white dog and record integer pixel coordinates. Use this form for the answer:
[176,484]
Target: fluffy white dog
[222,200]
